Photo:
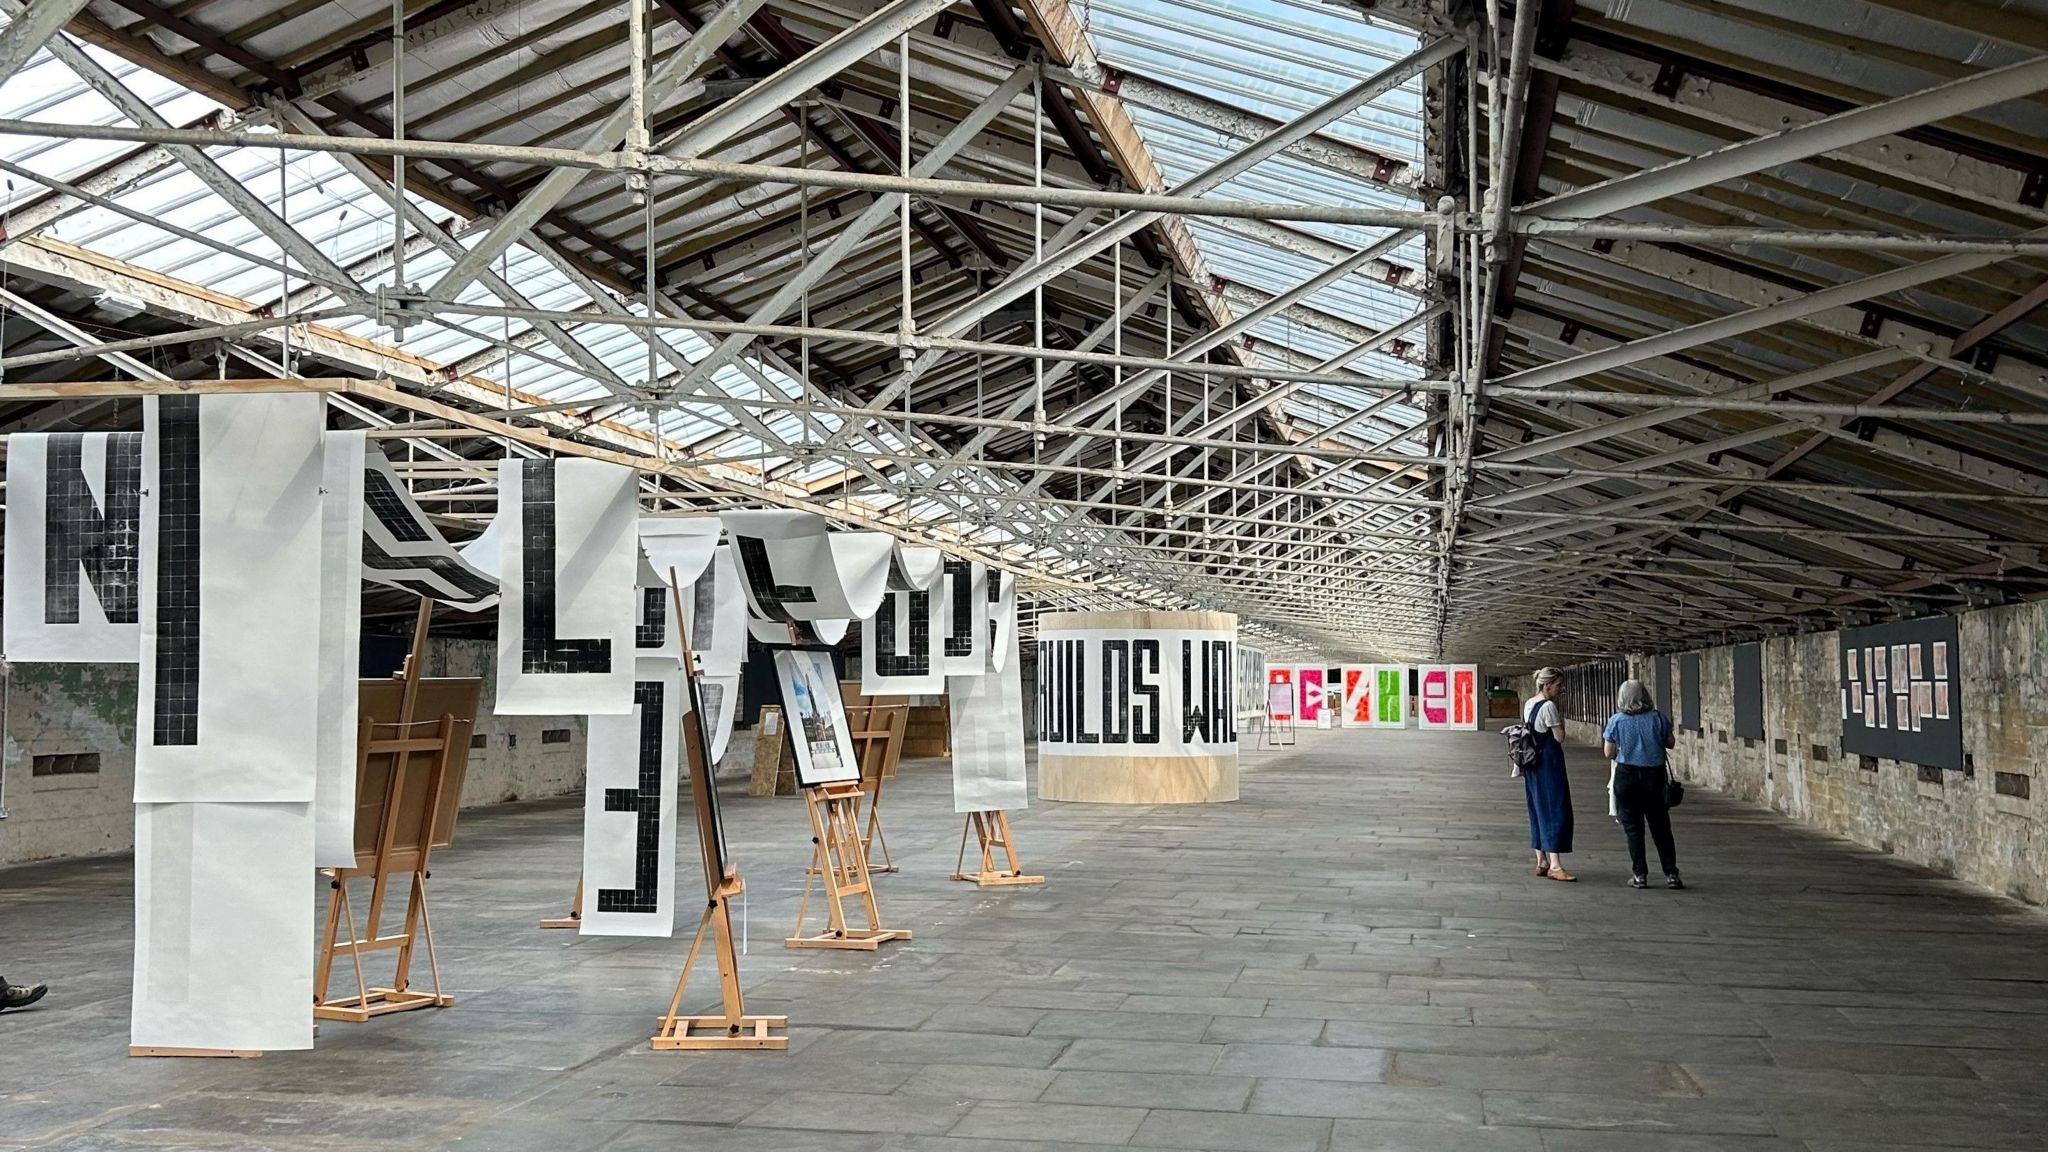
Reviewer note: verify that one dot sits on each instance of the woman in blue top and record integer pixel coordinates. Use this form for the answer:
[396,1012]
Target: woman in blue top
[1636,739]
[1549,789]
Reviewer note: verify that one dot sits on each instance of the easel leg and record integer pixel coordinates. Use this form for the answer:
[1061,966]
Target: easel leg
[734,1029]
[992,831]
[842,868]
[575,917]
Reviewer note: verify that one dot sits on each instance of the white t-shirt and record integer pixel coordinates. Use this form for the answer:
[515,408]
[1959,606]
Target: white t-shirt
[1547,718]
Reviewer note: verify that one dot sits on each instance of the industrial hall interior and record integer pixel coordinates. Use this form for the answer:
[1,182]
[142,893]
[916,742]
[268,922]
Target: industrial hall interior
[1023,575]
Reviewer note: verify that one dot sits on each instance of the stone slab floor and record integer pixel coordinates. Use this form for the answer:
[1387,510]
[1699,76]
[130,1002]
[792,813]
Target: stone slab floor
[1354,956]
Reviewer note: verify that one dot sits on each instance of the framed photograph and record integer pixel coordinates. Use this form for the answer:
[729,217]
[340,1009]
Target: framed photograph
[817,718]
[1854,673]
[1941,659]
[1877,663]
[1914,662]
[1941,700]
[1923,702]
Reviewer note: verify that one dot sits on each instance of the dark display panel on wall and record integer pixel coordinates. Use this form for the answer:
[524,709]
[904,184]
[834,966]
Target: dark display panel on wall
[1660,673]
[1689,691]
[1902,692]
[1749,691]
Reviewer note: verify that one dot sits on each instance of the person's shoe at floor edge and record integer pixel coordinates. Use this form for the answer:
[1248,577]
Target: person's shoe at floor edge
[1639,881]
[1673,882]
[20,995]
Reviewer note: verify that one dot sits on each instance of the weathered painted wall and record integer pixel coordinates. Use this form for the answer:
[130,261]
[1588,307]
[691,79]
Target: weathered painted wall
[71,708]
[1972,825]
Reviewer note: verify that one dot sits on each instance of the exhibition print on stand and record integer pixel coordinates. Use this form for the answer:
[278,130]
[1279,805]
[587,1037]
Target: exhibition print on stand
[1448,698]
[1308,680]
[1901,691]
[1357,694]
[1390,696]
[816,715]
[1279,676]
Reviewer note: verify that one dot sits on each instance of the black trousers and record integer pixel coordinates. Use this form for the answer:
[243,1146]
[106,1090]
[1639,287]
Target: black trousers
[1639,799]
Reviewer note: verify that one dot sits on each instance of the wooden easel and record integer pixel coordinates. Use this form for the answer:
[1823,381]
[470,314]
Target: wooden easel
[733,1028]
[878,731]
[839,865]
[405,737]
[992,829]
[575,917]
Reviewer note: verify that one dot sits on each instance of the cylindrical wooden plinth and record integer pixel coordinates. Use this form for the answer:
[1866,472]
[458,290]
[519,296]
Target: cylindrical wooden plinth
[1137,707]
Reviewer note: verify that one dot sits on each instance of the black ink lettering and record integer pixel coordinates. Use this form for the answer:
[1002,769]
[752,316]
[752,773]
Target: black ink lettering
[177,572]
[644,801]
[541,651]
[1145,664]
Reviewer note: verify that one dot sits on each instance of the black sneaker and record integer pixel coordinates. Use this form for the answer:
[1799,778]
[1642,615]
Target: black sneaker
[1673,882]
[18,995]
[1639,881]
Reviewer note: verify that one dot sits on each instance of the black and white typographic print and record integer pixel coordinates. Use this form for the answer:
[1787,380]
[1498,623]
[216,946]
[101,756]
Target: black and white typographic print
[899,646]
[403,549]
[230,576]
[650,632]
[74,547]
[1114,692]
[567,621]
[967,639]
[796,570]
[175,653]
[629,810]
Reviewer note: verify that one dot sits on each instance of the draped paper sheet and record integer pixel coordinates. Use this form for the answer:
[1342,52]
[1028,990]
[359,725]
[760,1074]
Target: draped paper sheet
[1002,619]
[721,703]
[1448,697]
[901,646]
[223,926]
[74,543]
[567,561]
[816,714]
[230,671]
[966,638]
[716,609]
[341,636]
[807,631]
[914,568]
[1359,687]
[988,732]
[797,570]
[629,809]
[402,548]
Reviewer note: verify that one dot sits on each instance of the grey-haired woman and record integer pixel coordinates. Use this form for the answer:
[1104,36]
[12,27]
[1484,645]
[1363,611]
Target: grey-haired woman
[1636,739]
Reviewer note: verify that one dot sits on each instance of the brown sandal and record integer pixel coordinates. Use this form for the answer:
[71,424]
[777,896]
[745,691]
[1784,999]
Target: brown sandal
[1561,874]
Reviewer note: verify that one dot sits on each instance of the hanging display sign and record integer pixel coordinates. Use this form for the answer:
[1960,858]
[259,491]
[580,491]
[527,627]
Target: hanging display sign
[1137,707]
[568,560]
[74,543]
[987,714]
[1448,697]
[902,646]
[797,570]
[229,682]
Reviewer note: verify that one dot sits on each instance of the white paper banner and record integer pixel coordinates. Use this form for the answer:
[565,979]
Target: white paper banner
[1002,619]
[1251,684]
[716,610]
[1389,695]
[682,544]
[988,734]
[797,570]
[629,809]
[966,637]
[807,631]
[900,646]
[230,657]
[721,696]
[816,714]
[1448,697]
[341,635]
[74,546]
[1119,692]
[223,926]
[567,559]
[1358,688]
[403,549]
[914,568]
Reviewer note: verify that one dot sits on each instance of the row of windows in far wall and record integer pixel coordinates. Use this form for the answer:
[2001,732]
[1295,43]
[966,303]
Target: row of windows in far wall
[547,736]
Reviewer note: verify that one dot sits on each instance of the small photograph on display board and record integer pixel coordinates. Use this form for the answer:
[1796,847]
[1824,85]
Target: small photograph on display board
[817,717]
[1910,711]
[1281,677]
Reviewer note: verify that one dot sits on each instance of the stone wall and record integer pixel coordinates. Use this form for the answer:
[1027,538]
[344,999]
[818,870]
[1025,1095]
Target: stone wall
[58,710]
[1974,824]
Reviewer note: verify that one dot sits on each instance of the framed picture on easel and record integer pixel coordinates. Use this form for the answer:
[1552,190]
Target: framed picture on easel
[817,717]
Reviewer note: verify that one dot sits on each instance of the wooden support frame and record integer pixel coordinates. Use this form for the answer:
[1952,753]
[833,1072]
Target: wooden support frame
[733,1028]
[406,737]
[992,830]
[575,917]
[215,1053]
[878,731]
[839,866]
